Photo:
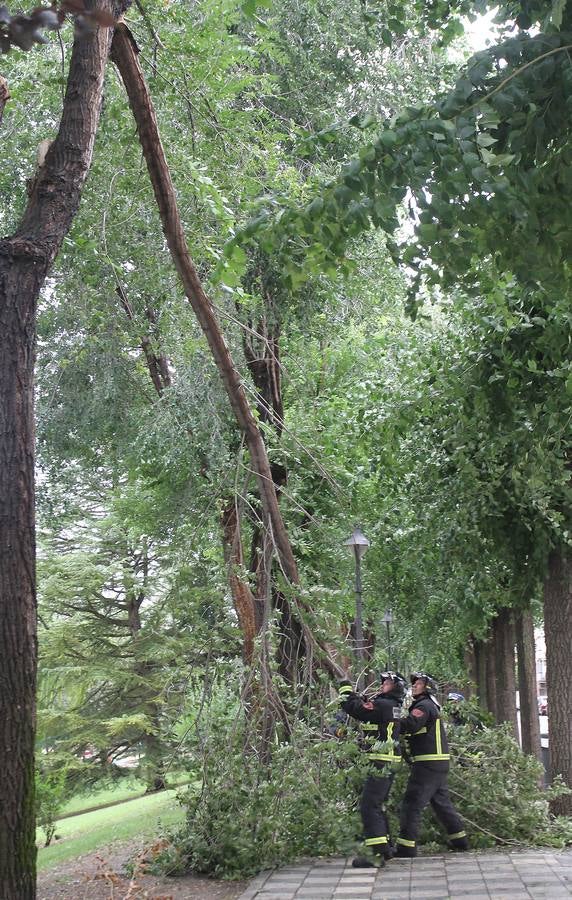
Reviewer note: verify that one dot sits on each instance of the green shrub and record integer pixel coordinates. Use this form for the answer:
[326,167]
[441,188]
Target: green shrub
[246,816]
[498,790]
[52,791]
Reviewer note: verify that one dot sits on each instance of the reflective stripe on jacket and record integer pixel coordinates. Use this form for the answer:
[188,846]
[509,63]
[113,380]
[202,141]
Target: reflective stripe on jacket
[425,733]
[380,720]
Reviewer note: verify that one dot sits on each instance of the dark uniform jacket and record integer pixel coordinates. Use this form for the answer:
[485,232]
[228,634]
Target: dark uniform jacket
[425,735]
[380,718]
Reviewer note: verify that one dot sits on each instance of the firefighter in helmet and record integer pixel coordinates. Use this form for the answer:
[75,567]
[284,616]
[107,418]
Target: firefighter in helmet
[379,716]
[428,752]
[454,706]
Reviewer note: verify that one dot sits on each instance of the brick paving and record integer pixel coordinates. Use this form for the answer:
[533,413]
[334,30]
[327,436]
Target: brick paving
[532,874]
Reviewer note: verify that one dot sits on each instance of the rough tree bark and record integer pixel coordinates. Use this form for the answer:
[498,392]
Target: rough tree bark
[4,96]
[480,648]
[504,642]
[243,599]
[491,669]
[558,635]
[124,55]
[261,344]
[25,258]
[527,687]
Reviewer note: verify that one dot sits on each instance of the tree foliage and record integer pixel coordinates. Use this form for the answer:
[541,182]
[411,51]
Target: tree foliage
[244,819]
[292,132]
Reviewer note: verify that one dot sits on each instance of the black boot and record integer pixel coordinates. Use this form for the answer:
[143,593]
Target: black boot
[405,852]
[459,844]
[368,862]
[389,852]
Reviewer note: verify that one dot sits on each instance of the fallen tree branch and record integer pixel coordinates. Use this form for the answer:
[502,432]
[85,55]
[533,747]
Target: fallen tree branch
[124,54]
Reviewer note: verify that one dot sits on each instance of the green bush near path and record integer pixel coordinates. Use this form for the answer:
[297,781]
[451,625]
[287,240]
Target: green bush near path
[85,833]
[302,800]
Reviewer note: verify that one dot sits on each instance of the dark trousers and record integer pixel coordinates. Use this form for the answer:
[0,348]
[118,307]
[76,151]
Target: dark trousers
[375,825]
[426,786]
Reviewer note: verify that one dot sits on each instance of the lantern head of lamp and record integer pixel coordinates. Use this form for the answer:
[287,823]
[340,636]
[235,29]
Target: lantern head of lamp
[357,543]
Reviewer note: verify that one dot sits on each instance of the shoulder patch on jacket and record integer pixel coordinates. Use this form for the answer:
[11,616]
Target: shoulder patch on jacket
[418,712]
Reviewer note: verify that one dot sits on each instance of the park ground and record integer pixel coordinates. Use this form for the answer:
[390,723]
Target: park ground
[511,875]
[103,853]
[104,875]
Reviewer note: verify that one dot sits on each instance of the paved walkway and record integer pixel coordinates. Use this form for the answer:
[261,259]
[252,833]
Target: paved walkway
[476,876]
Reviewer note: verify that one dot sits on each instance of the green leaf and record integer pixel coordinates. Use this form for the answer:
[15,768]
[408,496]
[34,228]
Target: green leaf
[343,195]
[428,232]
[315,208]
[387,139]
[485,140]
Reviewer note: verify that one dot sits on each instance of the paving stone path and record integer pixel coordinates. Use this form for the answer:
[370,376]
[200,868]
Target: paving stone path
[535,874]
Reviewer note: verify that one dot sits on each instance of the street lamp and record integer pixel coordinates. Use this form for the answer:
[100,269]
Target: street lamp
[358,544]
[388,619]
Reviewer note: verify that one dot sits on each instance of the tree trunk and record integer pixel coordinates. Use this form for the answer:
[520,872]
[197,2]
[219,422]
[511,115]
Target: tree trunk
[124,54]
[558,636]
[157,364]
[504,641]
[291,647]
[527,688]
[243,599]
[4,96]
[491,674]
[471,665]
[481,668]
[25,258]
[260,570]
[261,344]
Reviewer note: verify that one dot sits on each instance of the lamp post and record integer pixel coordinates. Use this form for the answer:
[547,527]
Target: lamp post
[388,619]
[358,544]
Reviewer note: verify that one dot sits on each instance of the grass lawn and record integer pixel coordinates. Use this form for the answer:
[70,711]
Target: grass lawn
[87,832]
[125,789]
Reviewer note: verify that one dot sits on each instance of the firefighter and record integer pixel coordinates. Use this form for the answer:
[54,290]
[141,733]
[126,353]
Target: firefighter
[428,753]
[454,706]
[380,719]
[459,712]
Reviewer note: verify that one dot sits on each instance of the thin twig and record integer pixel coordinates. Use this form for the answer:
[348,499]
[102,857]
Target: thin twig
[479,827]
[519,71]
[149,24]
